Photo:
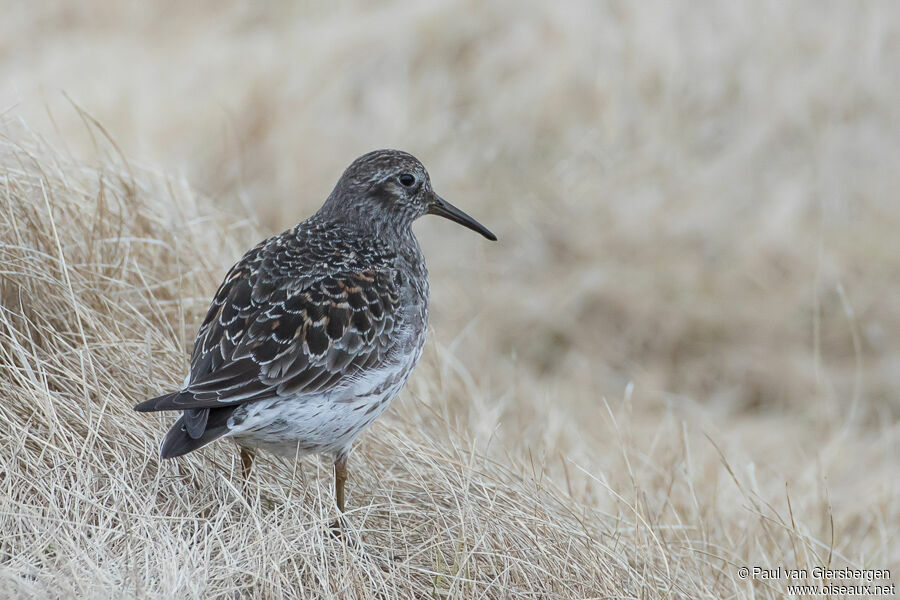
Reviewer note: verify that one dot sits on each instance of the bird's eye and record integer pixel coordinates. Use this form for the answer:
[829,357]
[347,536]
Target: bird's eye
[407,180]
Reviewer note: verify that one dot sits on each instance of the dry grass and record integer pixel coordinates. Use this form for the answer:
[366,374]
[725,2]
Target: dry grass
[681,358]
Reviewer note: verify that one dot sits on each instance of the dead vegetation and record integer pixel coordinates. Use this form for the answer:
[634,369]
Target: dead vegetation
[681,358]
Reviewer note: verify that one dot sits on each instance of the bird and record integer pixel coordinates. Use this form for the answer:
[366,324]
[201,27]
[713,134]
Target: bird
[314,331]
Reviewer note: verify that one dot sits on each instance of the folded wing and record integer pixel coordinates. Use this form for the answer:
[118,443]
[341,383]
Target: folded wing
[268,335]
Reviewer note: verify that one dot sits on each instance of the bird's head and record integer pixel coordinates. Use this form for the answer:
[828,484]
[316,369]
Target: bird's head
[390,188]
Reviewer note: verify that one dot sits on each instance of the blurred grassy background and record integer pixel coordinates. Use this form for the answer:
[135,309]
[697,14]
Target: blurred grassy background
[690,198]
[697,203]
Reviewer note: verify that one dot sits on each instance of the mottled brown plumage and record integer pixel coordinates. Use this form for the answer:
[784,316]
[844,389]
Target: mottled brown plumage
[314,331]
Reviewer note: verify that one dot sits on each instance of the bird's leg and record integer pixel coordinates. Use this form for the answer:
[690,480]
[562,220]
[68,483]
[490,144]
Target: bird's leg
[247,455]
[340,478]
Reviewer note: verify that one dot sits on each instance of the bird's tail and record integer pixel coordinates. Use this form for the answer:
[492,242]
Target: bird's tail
[179,441]
[173,401]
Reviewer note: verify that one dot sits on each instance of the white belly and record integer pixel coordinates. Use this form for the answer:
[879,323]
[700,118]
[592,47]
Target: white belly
[320,424]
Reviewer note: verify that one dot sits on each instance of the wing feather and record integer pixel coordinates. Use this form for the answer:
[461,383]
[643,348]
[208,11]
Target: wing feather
[273,331]
[301,313]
